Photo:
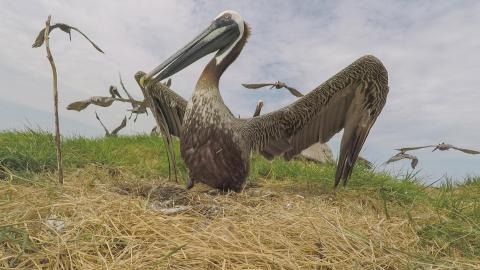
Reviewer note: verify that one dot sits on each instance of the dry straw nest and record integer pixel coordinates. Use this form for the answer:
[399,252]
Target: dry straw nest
[105,220]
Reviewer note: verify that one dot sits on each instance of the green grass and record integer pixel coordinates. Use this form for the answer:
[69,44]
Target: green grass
[456,228]
[34,152]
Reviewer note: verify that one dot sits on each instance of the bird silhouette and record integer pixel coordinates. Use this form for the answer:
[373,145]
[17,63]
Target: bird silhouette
[443,147]
[277,85]
[403,155]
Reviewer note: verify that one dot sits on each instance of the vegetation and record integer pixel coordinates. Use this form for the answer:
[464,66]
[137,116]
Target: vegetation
[108,213]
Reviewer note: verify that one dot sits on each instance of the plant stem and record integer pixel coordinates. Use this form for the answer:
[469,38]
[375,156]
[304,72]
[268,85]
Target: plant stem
[55,102]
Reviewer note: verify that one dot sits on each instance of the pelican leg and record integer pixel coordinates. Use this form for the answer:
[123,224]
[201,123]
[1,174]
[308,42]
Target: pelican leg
[190,184]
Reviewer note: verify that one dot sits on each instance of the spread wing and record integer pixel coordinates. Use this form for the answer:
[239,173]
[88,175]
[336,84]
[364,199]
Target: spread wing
[396,157]
[167,106]
[400,156]
[168,109]
[405,149]
[468,151]
[294,91]
[350,100]
[256,85]
[414,162]
[122,125]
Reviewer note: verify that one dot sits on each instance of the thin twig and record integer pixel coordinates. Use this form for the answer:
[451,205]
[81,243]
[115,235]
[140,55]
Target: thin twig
[55,102]
[107,133]
[136,108]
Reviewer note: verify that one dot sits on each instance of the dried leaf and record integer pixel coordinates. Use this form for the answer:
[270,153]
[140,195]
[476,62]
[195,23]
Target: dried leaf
[99,101]
[65,28]
[122,125]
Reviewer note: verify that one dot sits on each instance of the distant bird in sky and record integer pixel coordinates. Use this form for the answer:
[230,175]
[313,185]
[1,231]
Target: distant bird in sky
[442,147]
[403,155]
[277,85]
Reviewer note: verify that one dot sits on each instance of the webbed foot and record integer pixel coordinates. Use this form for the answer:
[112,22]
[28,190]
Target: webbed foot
[190,184]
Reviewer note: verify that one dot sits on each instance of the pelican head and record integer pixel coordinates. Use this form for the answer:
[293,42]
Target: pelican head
[221,35]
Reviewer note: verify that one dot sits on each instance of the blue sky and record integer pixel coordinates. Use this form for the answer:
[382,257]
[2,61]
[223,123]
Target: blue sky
[430,48]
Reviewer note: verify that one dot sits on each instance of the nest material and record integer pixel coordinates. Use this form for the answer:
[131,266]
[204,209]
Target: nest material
[111,224]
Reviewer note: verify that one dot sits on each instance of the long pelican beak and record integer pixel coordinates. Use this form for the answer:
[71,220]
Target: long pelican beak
[220,34]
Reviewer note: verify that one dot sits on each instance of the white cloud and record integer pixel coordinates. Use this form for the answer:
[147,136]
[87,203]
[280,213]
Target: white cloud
[430,49]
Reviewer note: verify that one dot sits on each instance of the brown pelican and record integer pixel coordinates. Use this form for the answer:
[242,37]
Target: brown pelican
[403,155]
[277,85]
[216,145]
[444,147]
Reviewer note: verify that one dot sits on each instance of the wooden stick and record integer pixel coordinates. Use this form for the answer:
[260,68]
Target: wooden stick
[55,102]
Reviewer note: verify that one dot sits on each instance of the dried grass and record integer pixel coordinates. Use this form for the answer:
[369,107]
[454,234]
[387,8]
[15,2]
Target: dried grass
[111,221]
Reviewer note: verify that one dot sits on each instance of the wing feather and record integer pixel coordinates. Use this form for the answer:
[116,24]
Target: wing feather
[405,149]
[350,100]
[294,91]
[468,151]
[167,106]
[256,85]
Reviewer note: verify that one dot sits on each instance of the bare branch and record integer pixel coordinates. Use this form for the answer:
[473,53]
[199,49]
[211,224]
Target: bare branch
[55,101]
[136,109]
[122,125]
[107,133]
[125,89]
[65,28]
[44,37]
[114,132]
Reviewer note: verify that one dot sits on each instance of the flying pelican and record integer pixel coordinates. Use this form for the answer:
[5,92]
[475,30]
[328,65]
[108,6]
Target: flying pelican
[216,146]
[277,85]
[403,155]
[442,147]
